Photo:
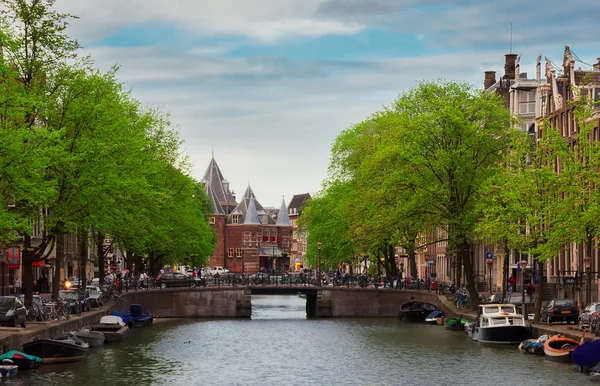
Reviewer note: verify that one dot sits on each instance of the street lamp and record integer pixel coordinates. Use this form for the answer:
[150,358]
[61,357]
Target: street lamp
[523,306]
[243,263]
[489,264]
[587,261]
[319,245]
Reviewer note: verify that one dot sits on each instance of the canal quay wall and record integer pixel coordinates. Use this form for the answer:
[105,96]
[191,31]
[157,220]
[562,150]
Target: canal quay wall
[13,338]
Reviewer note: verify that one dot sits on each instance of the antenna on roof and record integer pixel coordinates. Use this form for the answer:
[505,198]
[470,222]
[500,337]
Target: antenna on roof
[510,38]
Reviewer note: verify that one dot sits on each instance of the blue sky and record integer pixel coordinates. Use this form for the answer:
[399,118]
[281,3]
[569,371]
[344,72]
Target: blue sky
[269,84]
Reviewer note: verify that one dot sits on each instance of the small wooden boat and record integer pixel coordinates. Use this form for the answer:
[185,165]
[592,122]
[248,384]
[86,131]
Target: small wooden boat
[456,324]
[113,327]
[8,369]
[24,361]
[416,311]
[59,350]
[587,356]
[92,338]
[436,317]
[559,348]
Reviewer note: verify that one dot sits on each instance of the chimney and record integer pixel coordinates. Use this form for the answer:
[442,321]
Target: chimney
[509,66]
[489,80]
[597,65]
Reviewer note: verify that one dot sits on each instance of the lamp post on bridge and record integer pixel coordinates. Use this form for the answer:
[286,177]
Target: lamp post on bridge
[319,245]
[523,304]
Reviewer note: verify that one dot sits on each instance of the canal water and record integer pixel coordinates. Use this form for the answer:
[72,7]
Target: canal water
[279,346]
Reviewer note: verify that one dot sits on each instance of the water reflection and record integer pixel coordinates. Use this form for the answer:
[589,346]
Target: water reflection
[278,307]
[279,346]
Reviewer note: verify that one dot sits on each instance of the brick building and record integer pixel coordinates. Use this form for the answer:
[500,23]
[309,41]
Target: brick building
[250,238]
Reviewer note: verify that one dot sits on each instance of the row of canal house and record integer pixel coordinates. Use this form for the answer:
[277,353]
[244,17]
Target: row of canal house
[531,99]
[250,236]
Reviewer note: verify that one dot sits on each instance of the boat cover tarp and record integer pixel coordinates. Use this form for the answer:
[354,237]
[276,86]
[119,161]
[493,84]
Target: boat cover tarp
[587,354]
[12,353]
[435,314]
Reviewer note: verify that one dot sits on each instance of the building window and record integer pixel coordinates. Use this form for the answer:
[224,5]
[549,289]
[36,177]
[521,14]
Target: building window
[266,235]
[238,252]
[235,219]
[230,252]
[526,102]
[211,220]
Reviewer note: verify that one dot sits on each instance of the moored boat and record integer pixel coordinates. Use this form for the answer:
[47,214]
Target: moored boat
[436,317]
[136,317]
[559,348]
[59,350]
[500,324]
[24,361]
[456,324]
[533,346]
[92,338]
[587,355]
[113,327]
[8,369]
[416,311]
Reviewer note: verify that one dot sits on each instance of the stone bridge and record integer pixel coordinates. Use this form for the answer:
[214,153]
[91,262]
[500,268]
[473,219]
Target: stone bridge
[235,302]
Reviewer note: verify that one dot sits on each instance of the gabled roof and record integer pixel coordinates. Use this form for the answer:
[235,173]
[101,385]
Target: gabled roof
[297,202]
[282,217]
[219,187]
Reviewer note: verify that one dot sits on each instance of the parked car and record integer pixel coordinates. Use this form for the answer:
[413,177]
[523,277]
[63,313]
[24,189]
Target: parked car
[587,314]
[94,293]
[74,299]
[560,310]
[175,279]
[517,300]
[216,270]
[12,311]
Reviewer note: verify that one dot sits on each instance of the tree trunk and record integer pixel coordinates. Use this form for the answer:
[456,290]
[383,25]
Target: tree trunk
[60,256]
[27,276]
[412,262]
[82,239]
[458,267]
[100,253]
[539,291]
[469,275]
[505,268]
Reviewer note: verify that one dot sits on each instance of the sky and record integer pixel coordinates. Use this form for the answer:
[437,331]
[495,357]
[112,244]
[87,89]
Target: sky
[267,85]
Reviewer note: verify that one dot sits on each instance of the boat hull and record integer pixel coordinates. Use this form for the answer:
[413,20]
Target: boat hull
[112,333]
[415,311]
[560,348]
[92,338]
[56,351]
[502,334]
[7,371]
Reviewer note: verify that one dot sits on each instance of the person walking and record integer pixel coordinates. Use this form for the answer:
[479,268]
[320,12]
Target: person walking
[17,285]
[530,291]
[511,283]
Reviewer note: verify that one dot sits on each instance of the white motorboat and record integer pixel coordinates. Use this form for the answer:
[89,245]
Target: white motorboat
[113,327]
[500,324]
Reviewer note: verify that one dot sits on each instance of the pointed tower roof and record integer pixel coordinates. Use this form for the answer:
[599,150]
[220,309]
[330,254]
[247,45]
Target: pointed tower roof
[218,187]
[216,205]
[282,218]
[251,215]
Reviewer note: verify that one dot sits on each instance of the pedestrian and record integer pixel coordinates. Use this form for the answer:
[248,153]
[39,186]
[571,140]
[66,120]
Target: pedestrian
[511,283]
[194,274]
[17,285]
[530,291]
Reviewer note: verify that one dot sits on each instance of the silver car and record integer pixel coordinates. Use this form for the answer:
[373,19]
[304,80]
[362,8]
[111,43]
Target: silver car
[585,317]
